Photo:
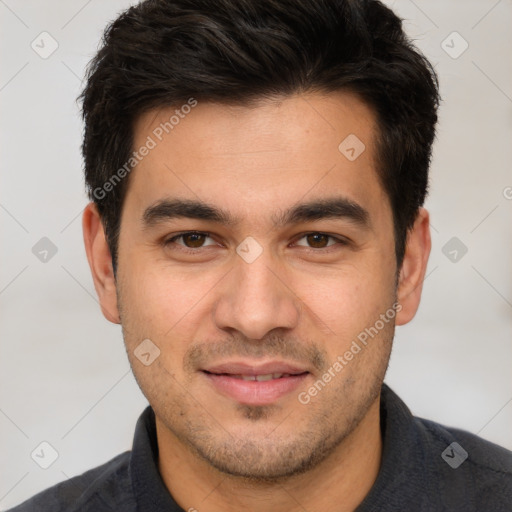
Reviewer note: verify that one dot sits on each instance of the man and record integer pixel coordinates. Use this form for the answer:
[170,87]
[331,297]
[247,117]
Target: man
[257,172]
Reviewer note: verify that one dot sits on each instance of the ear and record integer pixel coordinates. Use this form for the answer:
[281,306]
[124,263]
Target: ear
[100,262]
[414,266]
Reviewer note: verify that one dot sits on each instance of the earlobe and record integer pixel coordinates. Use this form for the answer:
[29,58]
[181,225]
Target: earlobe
[100,262]
[414,266]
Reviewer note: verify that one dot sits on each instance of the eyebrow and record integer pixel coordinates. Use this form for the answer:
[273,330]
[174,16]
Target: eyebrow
[325,208]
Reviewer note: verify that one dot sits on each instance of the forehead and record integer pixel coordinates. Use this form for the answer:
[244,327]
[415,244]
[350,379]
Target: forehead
[256,159]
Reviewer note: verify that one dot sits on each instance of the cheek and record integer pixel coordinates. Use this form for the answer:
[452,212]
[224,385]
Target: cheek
[164,303]
[347,302]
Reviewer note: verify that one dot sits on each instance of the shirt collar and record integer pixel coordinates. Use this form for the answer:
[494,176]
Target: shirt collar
[149,489]
[405,458]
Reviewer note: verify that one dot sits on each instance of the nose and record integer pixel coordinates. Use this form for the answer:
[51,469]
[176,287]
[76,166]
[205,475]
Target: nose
[256,299]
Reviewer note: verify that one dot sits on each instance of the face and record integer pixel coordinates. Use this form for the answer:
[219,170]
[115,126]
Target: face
[258,258]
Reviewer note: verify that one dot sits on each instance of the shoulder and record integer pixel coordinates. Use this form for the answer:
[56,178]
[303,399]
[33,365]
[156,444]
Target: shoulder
[484,467]
[482,455]
[101,488]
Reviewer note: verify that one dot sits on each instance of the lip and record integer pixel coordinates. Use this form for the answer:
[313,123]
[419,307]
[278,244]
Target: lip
[246,368]
[225,378]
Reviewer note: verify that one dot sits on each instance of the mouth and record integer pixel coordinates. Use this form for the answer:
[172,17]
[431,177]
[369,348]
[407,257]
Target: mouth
[259,378]
[255,385]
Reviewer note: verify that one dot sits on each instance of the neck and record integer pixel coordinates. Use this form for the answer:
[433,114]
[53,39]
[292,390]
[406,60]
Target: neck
[344,478]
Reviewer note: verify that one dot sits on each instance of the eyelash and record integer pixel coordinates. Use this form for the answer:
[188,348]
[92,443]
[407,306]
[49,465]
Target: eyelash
[327,249]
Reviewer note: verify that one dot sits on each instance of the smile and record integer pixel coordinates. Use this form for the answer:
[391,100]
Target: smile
[255,385]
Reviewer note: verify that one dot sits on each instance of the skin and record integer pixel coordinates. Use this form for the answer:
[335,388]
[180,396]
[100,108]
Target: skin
[302,300]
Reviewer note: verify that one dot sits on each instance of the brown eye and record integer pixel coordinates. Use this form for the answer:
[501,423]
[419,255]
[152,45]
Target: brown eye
[317,240]
[190,240]
[193,239]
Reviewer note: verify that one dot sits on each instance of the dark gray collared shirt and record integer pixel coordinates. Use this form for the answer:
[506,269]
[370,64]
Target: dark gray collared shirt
[426,467]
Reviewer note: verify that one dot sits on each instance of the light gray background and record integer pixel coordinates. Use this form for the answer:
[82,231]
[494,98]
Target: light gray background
[65,378]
